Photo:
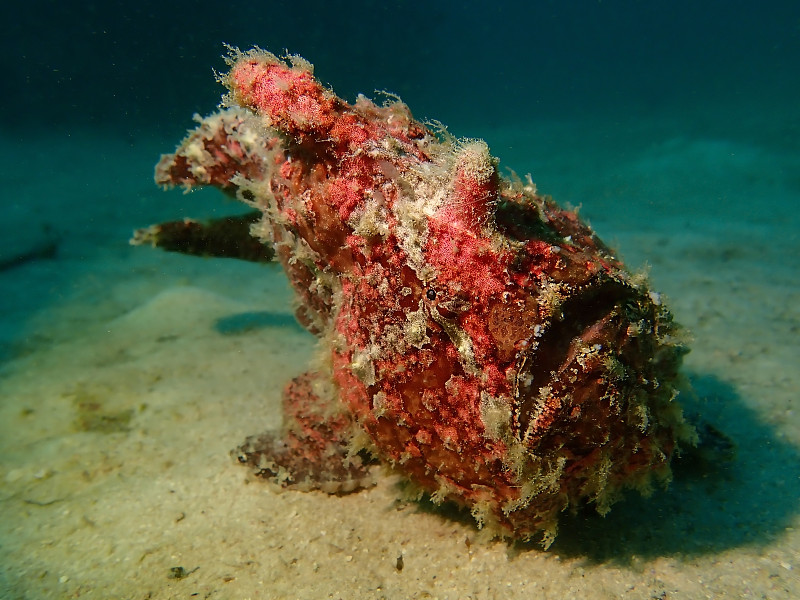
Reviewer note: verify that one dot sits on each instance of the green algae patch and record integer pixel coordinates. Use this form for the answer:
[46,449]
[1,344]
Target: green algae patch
[94,415]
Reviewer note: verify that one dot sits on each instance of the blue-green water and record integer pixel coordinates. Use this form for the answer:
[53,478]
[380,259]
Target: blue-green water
[674,125]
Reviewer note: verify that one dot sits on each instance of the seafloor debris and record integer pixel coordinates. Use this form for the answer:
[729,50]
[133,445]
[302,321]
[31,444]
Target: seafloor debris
[481,341]
[38,249]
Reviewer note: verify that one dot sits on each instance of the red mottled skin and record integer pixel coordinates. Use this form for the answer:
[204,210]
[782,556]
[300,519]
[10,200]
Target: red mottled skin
[493,350]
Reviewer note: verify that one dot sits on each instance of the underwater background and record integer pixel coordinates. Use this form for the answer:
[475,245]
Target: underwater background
[127,374]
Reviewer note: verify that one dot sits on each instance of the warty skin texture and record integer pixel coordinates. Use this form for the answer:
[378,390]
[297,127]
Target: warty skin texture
[478,339]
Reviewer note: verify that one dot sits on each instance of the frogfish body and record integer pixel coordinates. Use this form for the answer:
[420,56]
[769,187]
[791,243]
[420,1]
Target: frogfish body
[480,341]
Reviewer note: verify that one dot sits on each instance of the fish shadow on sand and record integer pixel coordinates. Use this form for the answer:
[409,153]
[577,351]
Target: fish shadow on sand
[246,322]
[738,487]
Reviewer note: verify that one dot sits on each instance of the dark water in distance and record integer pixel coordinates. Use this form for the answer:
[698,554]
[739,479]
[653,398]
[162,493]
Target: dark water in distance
[132,66]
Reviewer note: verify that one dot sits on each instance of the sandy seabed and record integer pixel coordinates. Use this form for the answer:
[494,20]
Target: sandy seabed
[129,374]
